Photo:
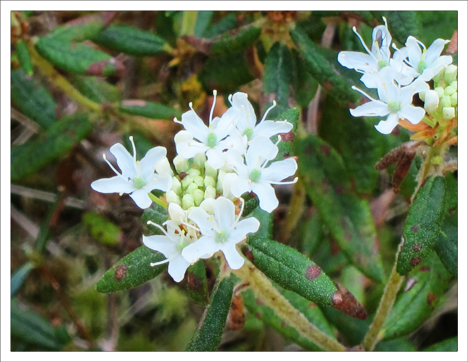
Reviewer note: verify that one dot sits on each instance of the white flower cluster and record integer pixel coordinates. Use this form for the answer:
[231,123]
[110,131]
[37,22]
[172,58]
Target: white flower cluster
[397,79]
[215,165]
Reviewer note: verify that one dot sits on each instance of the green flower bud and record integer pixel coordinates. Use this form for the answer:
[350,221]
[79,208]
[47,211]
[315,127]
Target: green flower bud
[191,188]
[187,180]
[171,197]
[209,181]
[199,161]
[210,192]
[437,160]
[445,102]
[181,164]
[449,90]
[219,186]
[199,181]
[454,84]
[187,201]
[422,96]
[193,172]
[451,73]
[454,99]
[439,76]
[198,197]
[448,113]
[431,101]
[210,171]
[176,186]
[440,91]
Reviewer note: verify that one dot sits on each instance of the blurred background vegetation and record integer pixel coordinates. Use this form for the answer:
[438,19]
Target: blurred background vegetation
[82,81]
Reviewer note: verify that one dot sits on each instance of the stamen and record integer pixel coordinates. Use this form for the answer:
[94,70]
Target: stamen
[241,210]
[363,93]
[160,262]
[267,111]
[191,106]
[284,182]
[230,99]
[279,140]
[213,106]
[134,148]
[362,42]
[177,121]
[112,167]
[158,226]
[191,226]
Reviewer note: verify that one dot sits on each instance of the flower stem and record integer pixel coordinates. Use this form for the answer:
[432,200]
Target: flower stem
[264,289]
[157,200]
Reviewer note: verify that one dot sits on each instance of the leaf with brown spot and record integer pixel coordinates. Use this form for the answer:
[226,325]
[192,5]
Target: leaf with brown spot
[344,301]
[197,283]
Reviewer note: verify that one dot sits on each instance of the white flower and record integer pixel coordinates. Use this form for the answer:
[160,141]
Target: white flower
[137,178]
[395,101]
[255,176]
[212,139]
[376,59]
[425,63]
[245,120]
[431,101]
[221,231]
[171,245]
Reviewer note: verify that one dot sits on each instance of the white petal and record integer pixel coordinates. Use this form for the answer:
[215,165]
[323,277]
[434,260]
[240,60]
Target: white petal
[371,80]
[372,108]
[414,51]
[235,161]
[387,90]
[233,258]
[153,155]
[224,213]
[228,181]
[190,148]
[272,128]
[243,228]
[158,182]
[359,61]
[386,127]
[280,170]
[215,158]
[141,198]
[112,184]
[202,247]
[195,125]
[162,244]
[412,113]
[261,149]
[125,161]
[266,196]
[177,267]
[240,101]
[381,35]
[163,167]
[201,218]
[176,213]
[407,93]
[434,51]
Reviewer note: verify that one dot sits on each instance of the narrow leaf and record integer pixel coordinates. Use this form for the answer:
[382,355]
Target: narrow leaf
[448,345]
[96,89]
[24,57]
[227,23]
[148,109]
[197,284]
[101,229]
[77,58]
[32,98]
[132,41]
[209,333]
[422,226]
[304,85]
[346,216]
[266,223]
[20,275]
[286,145]
[157,214]
[56,143]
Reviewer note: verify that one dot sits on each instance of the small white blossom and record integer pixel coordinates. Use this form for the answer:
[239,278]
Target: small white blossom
[171,245]
[395,102]
[220,231]
[431,101]
[253,175]
[137,178]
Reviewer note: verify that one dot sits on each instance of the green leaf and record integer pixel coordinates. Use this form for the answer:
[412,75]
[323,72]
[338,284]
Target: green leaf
[286,145]
[20,275]
[31,328]
[304,85]
[208,334]
[157,214]
[448,345]
[24,58]
[132,270]
[164,27]
[84,28]
[227,23]
[148,109]
[96,89]
[424,288]
[101,229]
[321,69]
[446,245]
[346,216]
[401,24]
[59,139]
[197,284]
[32,98]
[396,345]
[278,76]
[437,24]
[293,271]
[251,203]
[77,58]
[203,21]
[422,226]
[353,329]
[266,223]
[132,41]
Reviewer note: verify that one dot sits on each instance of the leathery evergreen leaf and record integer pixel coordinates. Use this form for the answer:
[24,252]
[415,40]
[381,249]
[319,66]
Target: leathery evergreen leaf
[101,229]
[96,89]
[286,145]
[447,345]
[132,41]
[32,98]
[210,330]
[424,287]
[23,57]
[293,271]
[346,216]
[77,58]
[132,270]
[197,284]
[59,139]
[20,275]
[422,226]
[148,109]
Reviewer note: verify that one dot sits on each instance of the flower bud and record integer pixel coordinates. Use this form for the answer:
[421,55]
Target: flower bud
[176,186]
[171,197]
[193,172]
[449,90]
[210,192]
[187,201]
[191,188]
[163,167]
[187,180]
[454,99]
[219,186]
[422,96]
[210,171]
[451,73]
[199,181]
[440,91]
[180,164]
[436,160]
[198,197]
[445,102]
[448,113]
[454,84]
[439,76]
[431,101]
[199,161]
[209,181]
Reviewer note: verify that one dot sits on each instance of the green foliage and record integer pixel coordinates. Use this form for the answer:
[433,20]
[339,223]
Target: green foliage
[402,23]
[448,345]
[19,276]
[197,284]
[149,109]
[346,216]
[24,58]
[231,43]
[96,89]
[286,145]
[209,332]
[101,229]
